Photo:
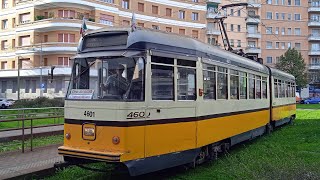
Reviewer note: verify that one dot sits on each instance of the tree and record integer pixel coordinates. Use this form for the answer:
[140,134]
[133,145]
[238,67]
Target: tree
[293,63]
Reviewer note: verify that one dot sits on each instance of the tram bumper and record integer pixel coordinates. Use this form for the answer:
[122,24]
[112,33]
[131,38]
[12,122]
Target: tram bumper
[89,154]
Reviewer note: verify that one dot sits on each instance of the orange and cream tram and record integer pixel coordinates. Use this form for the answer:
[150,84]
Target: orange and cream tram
[153,100]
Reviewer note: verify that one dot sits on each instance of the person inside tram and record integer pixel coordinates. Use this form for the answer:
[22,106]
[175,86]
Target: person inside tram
[116,84]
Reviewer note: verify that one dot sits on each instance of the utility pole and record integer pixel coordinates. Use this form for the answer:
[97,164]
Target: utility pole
[41,63]
[18,77]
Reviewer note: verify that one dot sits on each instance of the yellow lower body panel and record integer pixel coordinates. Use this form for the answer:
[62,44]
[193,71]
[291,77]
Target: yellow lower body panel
[279,113]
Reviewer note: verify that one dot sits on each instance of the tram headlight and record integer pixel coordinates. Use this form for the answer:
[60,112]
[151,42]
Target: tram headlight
[68,135]
[115,140]
[89,131]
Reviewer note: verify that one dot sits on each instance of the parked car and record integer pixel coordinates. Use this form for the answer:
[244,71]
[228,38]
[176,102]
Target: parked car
[10,101]
[312,100]
[4,103]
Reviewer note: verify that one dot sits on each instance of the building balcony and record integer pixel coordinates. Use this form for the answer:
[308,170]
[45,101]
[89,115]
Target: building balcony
[254,3]
[256,35]
[213,32]
[314,8]
[314,66]
[314,52]
[314,23]
[314,37]
[57,24]
[253,50]
[47,48]
[214,1]
[253,19]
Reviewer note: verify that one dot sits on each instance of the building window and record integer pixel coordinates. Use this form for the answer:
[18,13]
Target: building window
[141,24]
[297,46]
[155,27]
[3,86]
[195,16]
[283,15]
[45,38]
[277,45]
[269,1]
[276,2]
[289,17]
[239,12]
[277,15]
[5,4]
[24,40]
[231,12]
[13,64]
[269,15]
[141,7]
[289,44]
[14,86]
[297,3]
[297,17]
[5,24]
[239,28]
[27,89]
[297,31]
[269,60]
[169,29]
[34,86]
[13,22]
[168,12]
[181,14]
[283,45]
[231,27]
[4,65]
[4,45]
[269,45]
[63,61]
[277,30]
[154,9]
[231,42]
[125,23]
[269,30]
[106,19]
[24,18]
[289,31]
[239,43]
[283,31]
[277,59]
[289,2]
[195,34]
[125,4]
[182,31]
[66,14]
[68,38]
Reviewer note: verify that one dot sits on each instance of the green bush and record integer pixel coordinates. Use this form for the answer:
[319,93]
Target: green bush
[38,103]
[39,18]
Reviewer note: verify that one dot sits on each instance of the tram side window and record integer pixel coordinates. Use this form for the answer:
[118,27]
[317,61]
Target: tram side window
[258,87]
[264,88]
[251,86]
[186,83]
[288,89]
[283,91]
[234,84]
[162,79]
[209,81]
[276,88]
[293,90]
[222,83]
[243,85]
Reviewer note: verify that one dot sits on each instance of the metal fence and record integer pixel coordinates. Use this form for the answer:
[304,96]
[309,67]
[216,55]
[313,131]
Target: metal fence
[30,118]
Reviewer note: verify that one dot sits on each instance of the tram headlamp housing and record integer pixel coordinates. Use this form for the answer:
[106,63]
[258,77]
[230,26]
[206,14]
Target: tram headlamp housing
[68,135]
[89,131]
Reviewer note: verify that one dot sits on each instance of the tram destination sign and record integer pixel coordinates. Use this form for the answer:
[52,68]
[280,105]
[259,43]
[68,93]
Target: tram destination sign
[105,40]
[81,94]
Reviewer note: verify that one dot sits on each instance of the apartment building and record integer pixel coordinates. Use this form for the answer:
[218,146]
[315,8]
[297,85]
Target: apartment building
[36,35]
[242,25]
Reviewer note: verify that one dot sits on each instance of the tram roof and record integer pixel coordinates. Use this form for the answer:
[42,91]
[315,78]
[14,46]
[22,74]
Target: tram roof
[277,73]
[170,43]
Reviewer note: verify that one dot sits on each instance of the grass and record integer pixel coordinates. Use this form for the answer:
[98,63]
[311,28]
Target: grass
[37,142]
[308,106]
[291,152]
[27,123]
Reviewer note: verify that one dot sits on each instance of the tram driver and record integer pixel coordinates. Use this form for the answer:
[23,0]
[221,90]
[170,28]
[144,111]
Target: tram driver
[116,84]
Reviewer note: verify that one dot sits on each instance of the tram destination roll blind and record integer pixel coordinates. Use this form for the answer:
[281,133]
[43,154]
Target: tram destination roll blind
[105,40]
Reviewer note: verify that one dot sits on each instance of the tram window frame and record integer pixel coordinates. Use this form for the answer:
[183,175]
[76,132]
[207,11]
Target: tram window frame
[288,91]
[293,90]
[209,69]
[283,91]
[252,80]
[186,65]
[223,73]
[276,88]
[243,75]
[163,62]
[264,87]
[234,75]
[258,86]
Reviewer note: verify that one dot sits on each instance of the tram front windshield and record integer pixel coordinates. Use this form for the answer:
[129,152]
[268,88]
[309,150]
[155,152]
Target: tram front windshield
[108,78]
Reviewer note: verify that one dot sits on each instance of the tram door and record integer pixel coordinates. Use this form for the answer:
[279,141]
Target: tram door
[172,106]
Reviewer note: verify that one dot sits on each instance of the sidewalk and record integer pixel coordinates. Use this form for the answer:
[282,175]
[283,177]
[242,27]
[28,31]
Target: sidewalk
[13,164]
[16,134]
